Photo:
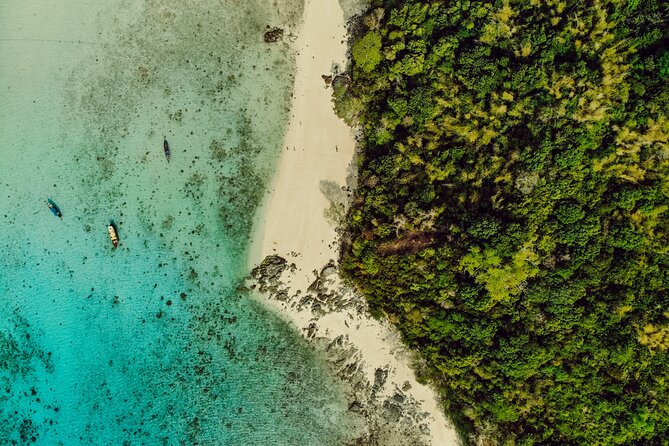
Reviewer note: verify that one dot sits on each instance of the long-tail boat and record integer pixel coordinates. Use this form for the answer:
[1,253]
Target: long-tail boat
[55,210]
[166,148]
[113,235]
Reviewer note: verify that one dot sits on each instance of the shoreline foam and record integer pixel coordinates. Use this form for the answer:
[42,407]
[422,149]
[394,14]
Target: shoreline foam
[316,159]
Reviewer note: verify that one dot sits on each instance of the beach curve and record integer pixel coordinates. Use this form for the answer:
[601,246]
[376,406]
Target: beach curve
[293,224]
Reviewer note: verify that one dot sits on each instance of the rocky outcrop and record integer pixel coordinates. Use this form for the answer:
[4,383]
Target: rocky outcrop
[273,34]
[391,416]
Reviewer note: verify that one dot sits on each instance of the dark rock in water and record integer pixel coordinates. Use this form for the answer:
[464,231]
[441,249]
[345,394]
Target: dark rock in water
[355,406]
[273,35]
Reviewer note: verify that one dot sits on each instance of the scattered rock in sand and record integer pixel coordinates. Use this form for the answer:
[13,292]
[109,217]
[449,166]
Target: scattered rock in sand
[391,416]
[268,273]
[311,330]
[380,376]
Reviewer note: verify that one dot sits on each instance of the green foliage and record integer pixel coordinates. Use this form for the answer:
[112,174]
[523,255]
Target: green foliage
[367,51]
[663,63]
[512,211]
[347,106]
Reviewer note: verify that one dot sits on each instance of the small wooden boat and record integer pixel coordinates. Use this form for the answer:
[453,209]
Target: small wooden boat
[113,235]
[166,148]
[53,208]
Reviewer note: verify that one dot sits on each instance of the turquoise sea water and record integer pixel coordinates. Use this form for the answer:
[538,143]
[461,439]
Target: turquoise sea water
[150,343]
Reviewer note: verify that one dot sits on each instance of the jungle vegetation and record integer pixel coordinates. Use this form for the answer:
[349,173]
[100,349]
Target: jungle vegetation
[512,211]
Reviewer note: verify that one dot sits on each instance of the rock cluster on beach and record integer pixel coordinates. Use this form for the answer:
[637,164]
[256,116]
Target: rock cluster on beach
[391,416]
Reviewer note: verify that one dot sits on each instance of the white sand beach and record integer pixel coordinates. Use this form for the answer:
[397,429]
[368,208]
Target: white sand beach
[320,147]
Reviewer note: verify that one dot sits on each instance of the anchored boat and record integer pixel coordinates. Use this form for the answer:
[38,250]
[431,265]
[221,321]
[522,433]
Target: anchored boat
[113,235]
[166,148]
[53,208]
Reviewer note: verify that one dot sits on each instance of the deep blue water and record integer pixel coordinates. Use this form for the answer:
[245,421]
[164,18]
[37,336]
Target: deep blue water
[151,343]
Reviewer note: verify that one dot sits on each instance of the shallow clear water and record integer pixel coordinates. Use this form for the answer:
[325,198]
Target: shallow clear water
[150,343]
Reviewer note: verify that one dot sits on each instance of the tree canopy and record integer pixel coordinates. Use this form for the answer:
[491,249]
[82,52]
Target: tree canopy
[511,216]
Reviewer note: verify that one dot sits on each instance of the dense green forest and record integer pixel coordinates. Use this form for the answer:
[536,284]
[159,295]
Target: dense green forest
[512,211]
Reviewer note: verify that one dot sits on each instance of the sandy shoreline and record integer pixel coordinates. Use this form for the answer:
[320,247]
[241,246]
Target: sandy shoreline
[316,160]
[317,147]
